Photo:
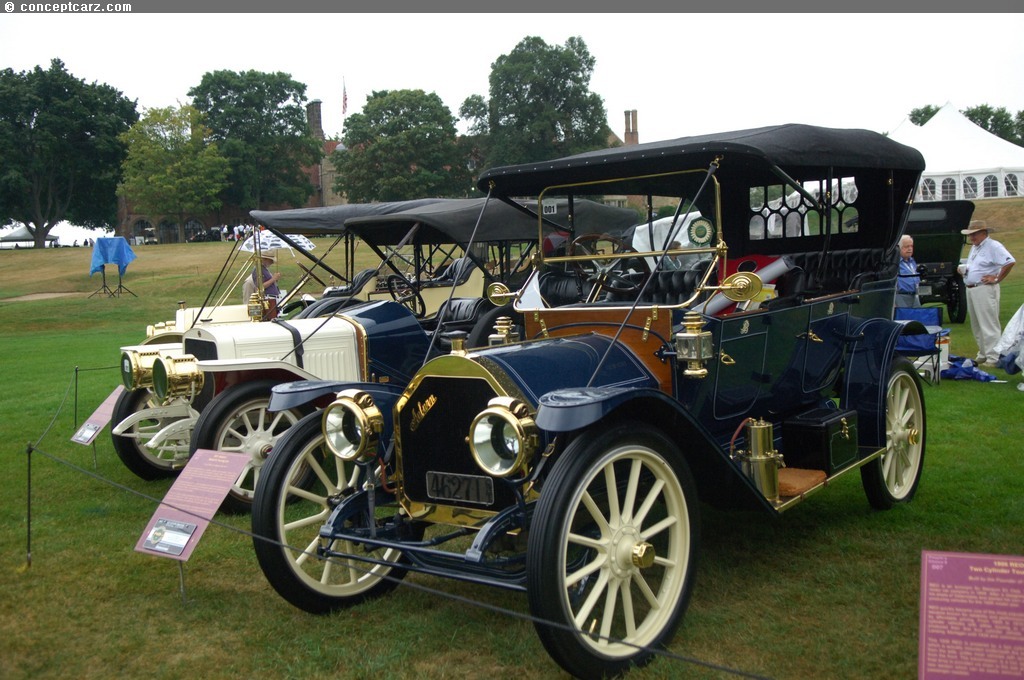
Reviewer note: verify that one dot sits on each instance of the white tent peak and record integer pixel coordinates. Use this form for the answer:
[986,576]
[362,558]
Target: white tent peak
[959,152]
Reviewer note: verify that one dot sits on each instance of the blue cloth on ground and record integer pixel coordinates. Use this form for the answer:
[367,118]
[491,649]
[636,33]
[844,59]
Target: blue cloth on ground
[964,369]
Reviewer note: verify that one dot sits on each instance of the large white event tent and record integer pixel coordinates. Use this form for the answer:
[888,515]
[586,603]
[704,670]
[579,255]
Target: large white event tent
[962,160]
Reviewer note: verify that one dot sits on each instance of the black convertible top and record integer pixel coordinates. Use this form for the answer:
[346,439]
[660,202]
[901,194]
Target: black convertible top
[330,219]
[787,146]
[454,220]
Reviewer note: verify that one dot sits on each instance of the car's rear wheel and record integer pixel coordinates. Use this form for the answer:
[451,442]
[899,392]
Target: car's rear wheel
[299,487]
[130,446]
[612,550]
[237,421]
[956,299]
[893,477]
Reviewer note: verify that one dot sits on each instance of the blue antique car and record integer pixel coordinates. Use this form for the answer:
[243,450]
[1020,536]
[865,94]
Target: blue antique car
[570,458]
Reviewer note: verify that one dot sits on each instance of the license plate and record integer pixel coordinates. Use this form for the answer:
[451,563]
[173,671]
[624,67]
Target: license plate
[924,290]
[447,486]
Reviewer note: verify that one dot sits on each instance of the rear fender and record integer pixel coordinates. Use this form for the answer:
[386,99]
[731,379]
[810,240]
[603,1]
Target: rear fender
[867,371]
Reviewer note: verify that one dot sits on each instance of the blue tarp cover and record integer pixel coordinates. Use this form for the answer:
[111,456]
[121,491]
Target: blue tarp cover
[113,250]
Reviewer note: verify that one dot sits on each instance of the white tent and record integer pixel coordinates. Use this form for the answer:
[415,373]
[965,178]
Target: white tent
[962,160]
[23,234]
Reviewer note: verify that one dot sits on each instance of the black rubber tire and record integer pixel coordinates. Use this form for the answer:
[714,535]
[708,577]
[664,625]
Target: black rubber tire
[956,299]
[894,476]
[599,558]
[130,448]
[221,422]
[289,507]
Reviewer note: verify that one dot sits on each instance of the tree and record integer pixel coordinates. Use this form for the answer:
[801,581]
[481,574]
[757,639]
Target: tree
[259,122]
[924,114]
[998,121]
[540,104]
[402,146]
[59,140]
[173,167]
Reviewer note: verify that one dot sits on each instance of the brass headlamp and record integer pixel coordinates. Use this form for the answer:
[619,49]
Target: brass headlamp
[177,376]
[352,425]
[503,437]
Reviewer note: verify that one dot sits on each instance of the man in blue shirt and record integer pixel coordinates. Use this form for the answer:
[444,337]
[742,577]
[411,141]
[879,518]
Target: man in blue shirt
[908,279]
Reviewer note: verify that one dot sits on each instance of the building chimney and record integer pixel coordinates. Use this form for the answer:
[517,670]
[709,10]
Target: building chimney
[315,118]
[632,136]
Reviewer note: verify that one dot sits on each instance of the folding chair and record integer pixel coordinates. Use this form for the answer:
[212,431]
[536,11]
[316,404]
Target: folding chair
[922,339]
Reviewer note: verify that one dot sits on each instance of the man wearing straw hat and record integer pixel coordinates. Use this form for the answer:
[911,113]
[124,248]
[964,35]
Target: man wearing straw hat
[988,263]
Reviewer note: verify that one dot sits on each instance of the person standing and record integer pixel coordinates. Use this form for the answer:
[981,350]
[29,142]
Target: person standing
[908,279]
[988,263]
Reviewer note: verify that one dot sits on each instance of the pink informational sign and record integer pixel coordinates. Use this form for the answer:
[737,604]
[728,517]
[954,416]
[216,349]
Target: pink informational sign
[190,504]
[972,616]
[98,420]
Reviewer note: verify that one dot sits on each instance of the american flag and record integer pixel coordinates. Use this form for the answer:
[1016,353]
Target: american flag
[344,98]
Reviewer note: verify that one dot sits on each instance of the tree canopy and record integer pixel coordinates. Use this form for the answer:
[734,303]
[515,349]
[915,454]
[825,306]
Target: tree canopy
[540,104]
[61,149]
[259,122]
[173,167]
[401,146]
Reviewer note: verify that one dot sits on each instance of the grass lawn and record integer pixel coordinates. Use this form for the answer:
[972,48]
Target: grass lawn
[829,589]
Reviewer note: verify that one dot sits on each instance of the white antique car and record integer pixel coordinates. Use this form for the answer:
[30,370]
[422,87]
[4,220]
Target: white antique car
[211,390]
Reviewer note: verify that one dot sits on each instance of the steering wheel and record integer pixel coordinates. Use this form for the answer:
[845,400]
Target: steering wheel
[405,293]
[624,275]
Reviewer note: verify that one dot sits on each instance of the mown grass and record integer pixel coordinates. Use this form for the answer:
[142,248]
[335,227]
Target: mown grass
[829,589]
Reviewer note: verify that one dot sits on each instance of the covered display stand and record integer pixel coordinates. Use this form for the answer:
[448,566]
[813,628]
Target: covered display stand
[106,251]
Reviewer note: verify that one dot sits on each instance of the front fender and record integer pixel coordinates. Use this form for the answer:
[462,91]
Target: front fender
[574,408]
[177,410]
[301,392]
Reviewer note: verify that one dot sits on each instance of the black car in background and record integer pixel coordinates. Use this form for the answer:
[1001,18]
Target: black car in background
[938,245]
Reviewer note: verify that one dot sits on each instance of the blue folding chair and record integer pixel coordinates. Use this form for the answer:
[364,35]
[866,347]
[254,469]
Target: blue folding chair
[921,339]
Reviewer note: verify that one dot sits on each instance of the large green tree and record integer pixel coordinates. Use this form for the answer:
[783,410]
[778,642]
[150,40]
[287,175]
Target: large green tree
[259,122]
[173,166]
[61,151]
[996,120]
[401,146]
[540,104]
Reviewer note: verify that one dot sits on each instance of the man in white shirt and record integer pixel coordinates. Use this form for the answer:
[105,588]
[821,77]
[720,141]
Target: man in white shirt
[988,263]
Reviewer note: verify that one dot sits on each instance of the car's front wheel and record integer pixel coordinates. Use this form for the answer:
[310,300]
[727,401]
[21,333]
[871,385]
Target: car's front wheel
[237,421]
[166,460]
[612,550]
[295,495]
[893,477]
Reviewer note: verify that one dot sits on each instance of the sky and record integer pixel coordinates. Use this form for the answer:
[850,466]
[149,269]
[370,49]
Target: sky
[685,74]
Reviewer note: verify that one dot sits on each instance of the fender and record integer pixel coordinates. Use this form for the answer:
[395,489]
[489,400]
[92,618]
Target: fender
[178,410]
[868,364]
[569,409]
[301,392]
[574,408]
[175,431]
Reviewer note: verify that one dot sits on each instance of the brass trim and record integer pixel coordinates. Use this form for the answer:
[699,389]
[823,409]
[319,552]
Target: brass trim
[362,345]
